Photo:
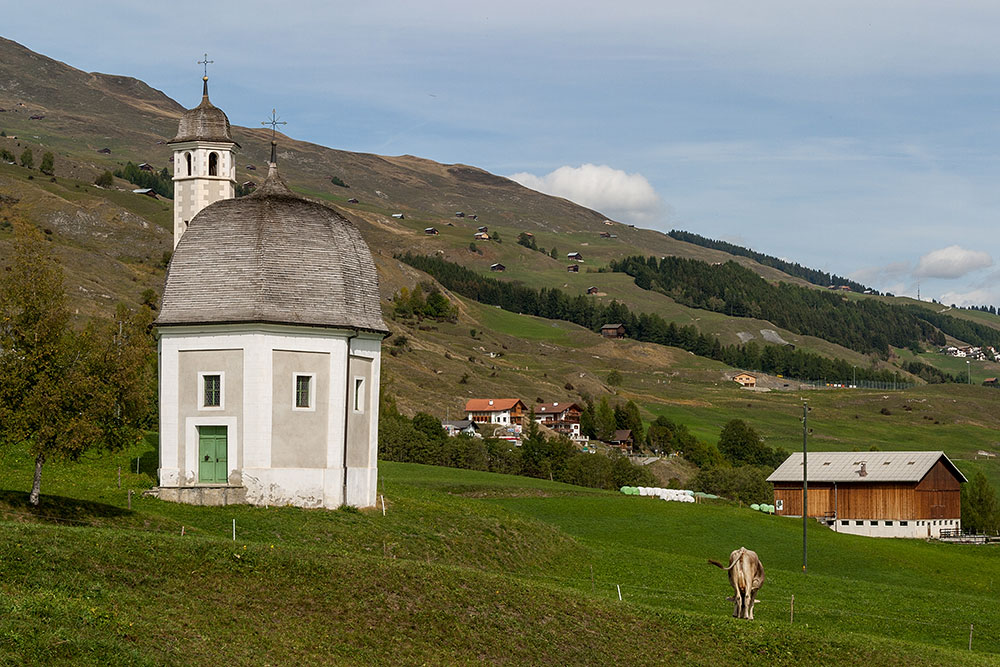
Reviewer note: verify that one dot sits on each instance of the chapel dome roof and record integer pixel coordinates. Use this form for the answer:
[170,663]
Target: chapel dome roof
[272,257]
[206,122]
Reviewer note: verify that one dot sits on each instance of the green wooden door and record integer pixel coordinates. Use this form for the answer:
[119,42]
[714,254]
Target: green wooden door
[212,448]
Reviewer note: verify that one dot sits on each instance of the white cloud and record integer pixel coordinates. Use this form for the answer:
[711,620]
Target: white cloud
[611,191]
[952,262]
[973,297]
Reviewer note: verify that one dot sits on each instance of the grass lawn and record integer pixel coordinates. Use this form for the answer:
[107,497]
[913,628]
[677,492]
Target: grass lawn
[461,563]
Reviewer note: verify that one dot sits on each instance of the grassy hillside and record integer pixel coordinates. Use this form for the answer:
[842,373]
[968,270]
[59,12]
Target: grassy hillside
[461,563]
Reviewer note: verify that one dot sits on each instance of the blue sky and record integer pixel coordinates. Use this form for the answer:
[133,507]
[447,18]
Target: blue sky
[855,137]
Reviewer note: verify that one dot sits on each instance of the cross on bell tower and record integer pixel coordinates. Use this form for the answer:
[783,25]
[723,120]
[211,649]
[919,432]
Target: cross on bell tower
[274,123]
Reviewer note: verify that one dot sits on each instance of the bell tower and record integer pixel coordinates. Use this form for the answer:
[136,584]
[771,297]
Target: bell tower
[204,160]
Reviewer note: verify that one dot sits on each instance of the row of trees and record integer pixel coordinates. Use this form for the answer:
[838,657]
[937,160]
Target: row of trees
[813,276]
[866,325]
[971,332]
[422,440]
[67,390]
[27,160]
[929,374]
[556,304]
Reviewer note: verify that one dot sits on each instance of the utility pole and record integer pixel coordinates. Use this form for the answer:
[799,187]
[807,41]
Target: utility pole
[805,481]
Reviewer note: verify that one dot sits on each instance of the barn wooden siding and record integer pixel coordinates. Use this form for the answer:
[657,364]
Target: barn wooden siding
[936,496]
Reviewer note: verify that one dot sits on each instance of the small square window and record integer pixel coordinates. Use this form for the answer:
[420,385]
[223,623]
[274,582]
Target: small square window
[873,523]
[904,523]
[859,523]
[844,523]
[888,523]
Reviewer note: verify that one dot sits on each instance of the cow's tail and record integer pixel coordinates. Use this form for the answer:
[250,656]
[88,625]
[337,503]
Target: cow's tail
[719,565]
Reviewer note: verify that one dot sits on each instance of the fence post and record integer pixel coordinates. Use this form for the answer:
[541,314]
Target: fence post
[791,610]
[130,498]
[970,636]
[234,530]
[619,592]
[119,477]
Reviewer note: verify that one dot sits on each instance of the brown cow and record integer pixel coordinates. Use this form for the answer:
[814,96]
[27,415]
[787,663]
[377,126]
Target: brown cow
[746,575]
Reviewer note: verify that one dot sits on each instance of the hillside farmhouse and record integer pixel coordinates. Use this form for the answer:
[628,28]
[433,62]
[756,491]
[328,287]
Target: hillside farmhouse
[745,380]
[560,417]
[504,411]
[613,330]
[878,494]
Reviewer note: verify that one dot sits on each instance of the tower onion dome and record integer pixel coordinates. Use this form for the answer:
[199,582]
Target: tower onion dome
[272,257]
[206,122]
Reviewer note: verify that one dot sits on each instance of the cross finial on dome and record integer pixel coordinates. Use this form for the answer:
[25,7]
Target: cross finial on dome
[206,62]
[274,123]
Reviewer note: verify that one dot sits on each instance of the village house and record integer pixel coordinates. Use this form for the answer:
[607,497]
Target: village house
[481,236]
[593,290]
[399,216]
[483,229]
[573,268]
[503,411]
[622,439]
[613,330]
[498,267]
[878,494]
[430,231]
[745,380]
[562,418]
[575,256]
[461,427]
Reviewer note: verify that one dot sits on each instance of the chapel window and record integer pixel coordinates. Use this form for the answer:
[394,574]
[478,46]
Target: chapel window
[187,158]
[303,391]
[359,394]
[213,164]
[212,391]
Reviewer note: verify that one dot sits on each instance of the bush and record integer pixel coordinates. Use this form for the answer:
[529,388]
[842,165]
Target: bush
[27,159]
[338,182]
[747,484]
[48,164]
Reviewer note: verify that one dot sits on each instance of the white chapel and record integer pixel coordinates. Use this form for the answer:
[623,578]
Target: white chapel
[269,339]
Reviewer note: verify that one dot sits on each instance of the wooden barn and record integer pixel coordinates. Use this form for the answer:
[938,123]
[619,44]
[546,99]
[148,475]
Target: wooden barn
[878,494]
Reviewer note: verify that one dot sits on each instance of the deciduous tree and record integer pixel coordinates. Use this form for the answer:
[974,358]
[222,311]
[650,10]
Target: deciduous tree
[48,164]
[980,507]
[64,391]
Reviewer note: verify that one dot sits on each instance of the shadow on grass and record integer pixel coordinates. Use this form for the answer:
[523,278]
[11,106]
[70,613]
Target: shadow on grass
[14,506]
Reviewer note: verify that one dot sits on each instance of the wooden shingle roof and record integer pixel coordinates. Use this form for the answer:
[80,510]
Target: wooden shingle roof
[206,122]
[272,257]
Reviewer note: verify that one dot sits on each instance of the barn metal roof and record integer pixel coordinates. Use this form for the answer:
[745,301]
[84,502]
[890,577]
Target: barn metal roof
[847,466]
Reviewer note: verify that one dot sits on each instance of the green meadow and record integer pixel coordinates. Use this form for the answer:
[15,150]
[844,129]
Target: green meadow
[463,567]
